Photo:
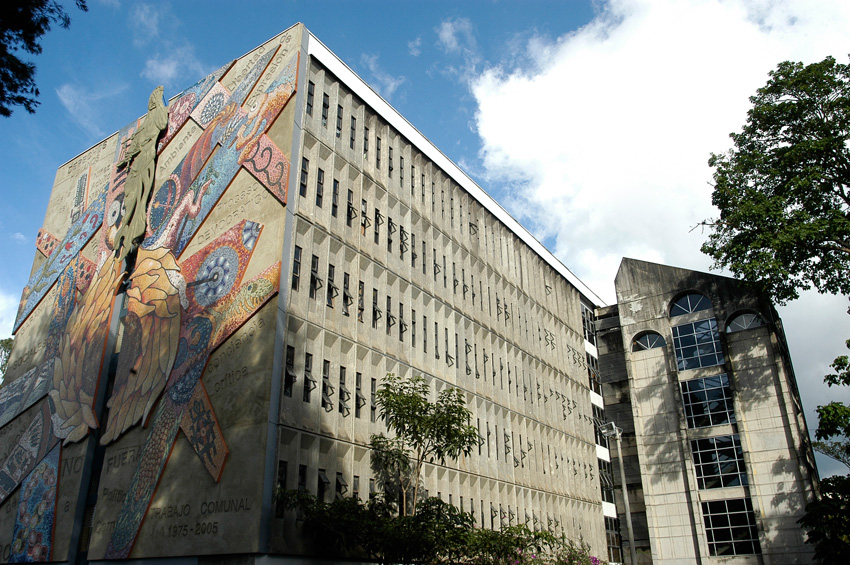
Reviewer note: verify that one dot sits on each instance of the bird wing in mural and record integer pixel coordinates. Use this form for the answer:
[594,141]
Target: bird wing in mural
[149,343]
[76,369]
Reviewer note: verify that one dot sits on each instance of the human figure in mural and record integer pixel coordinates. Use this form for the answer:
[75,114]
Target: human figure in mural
[141,158]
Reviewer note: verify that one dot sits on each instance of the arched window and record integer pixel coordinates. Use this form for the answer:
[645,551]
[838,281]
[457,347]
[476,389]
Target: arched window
[744,321]
[693,302]
[648,340]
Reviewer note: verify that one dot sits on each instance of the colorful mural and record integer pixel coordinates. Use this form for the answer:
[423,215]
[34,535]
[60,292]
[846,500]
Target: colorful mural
[174,310]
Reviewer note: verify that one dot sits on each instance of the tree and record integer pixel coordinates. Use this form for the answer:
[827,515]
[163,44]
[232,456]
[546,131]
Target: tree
[5,351]
[783,193]
[423,430]
[22,23]
[783,190]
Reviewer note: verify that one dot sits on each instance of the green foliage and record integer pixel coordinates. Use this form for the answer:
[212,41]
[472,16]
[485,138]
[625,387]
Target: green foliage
[827,521]
[22,23]
[783,190]
[422,430]
[5,351]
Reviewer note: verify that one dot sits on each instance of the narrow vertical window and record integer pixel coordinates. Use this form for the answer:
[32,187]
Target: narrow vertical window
[412,180]
[373,412]
[315,281]
[311,88]
[390,162]
[402,325]
[353,132]
[343,394]
[378,152]
[390,230]
[364,219]
[376,310]
[413,253]
[338,120]
[309,381]
[379,219]
[425,334]
[335,199]
[326,106]
[401,171]
[350,212]
[390,317]
[296,268]
[332,291]
[289,371]
[365,142]
[413,327]
[423,188]
[359,400]
[360,301]
[347,299]
[305,164]
[320,187]
[327,389]
[424,257]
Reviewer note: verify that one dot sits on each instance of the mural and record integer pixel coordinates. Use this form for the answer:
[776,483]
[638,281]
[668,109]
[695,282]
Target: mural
[175,310]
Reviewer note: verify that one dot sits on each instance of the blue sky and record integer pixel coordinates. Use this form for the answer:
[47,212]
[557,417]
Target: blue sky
[591,122]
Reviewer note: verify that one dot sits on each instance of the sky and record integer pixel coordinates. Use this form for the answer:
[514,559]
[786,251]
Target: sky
[591,122]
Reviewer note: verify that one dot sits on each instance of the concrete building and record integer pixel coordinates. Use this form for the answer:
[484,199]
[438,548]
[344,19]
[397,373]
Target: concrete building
[154,405]
[696,371]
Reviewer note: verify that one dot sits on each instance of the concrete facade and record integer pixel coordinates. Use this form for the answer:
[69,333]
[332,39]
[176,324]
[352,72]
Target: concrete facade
[697,373]
[303,240]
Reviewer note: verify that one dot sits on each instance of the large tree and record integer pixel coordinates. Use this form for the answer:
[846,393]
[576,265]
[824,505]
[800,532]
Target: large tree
[784,197]
[422,431]
[22,24]
[782,190]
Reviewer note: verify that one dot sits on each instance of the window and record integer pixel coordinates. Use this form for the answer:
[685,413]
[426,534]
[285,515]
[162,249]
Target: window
[360,301]
[320,187]
[311,88]
[376,310]
[341,487]
[280,508]
[592,371]
[302,477]
[347,299]
[588,323]
[365,142]
[648,340]
[296,268]
[425,334]
[309,381]
[413,327]
[326,105]
[315,281]
[390,230]
[373,408]
[606,481]
[612,533]
[338,120]
[730,527]
[359,400]
[688,303]
[303,187]
[344,395]
[350,212]
[708,401]
[378,152]
[719,462]
[402,325]
[289,371]
[390,317]
[327,388]
[353,131]
[413,253]
[364,218]
[598,424]
[332,291]
[401,173]
[355,487]
[390,162]
[335,199]
[744,321]
[379,219]
[322,486]
[697,345]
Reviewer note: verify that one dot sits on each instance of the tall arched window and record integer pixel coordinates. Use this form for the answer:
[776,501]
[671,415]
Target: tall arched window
[693,302]
[648,340]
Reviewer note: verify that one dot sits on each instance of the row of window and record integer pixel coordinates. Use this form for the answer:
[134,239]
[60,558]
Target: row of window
[461,283]
[498,515]
[418,330]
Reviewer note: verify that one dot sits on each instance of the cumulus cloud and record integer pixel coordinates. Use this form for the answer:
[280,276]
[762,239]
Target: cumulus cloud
[599,141]
[415,47]
[145,23]
[173,65]
[385,84]
[83,104]
[18,237]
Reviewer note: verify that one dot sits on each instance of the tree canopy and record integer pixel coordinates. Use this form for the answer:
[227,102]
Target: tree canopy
[5,351]
[782,190]
[22,24]
[423,430]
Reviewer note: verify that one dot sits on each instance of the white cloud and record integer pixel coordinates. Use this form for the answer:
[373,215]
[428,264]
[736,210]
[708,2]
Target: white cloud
[456,37]
[145,23]
[84,105]
[172,66]
[385,84]
[18,237]
[8,311]
[601,139]
[415,47]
